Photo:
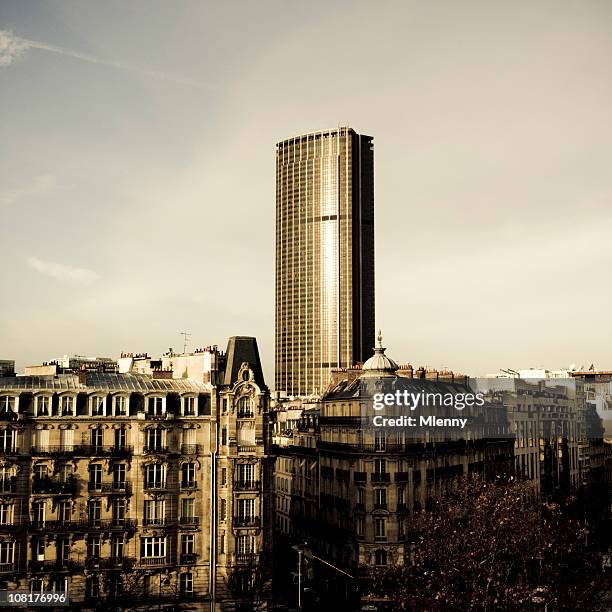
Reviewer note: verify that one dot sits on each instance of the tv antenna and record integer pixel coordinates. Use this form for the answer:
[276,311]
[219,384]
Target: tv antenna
[186,339]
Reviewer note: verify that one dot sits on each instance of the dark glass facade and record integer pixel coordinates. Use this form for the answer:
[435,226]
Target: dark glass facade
[324,257]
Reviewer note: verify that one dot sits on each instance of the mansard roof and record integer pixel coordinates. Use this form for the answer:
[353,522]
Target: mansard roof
[103,381]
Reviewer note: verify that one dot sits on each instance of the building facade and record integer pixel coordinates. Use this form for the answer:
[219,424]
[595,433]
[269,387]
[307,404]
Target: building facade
[324,257]
[128,487]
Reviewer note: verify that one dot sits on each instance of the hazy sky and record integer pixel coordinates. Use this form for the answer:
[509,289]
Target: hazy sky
[137,179]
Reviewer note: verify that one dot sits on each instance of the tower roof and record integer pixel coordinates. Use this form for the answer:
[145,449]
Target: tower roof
[379,363]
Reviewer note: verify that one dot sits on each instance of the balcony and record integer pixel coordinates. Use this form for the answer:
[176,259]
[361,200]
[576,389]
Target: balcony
[7,568]
[55,486]
[246,521]
[54,565]
[118,524]
[245,414]
[189,521]
[154,561]
[83,450]
[155,486]
[9,450]
[246,558]
[149,521]
[380,506]
[243,448]
[123,563]
[381,477]
[189,484]
[110,488]
[246,485]
[191,449]
[189,558]
[149,450]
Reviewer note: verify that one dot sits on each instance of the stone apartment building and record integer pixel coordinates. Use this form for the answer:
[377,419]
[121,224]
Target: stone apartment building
[349,489]
[131,487]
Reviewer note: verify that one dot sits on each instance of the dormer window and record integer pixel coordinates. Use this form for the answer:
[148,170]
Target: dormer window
[97,405]
[8,404]
[245,407]
[43,405]
[120,403]
[156,406]
[66,406]
[189,406]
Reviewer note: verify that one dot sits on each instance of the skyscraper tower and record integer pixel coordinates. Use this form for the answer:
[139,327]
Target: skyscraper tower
[324,257]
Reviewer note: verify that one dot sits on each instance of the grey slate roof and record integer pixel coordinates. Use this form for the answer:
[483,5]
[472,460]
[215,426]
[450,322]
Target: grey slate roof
[102,381]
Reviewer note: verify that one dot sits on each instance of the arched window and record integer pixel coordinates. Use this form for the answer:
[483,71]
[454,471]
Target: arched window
[380,557]
[245,407]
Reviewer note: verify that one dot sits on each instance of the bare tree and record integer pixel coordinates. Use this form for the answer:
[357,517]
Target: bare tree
[492,546]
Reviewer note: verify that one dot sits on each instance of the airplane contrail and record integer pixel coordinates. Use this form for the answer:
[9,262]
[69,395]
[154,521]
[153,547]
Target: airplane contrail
[12,47]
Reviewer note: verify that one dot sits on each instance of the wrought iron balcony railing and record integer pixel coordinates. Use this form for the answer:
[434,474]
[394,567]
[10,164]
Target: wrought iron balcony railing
[120,488]
[246,485]
[246,521]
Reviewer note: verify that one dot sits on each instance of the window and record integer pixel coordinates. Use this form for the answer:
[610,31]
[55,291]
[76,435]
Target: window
[94,511]
[223,510]
[62,547]
[380,528]
[189,406]
[64,511]
[380,441]
[93,547]
[36,585]
[401,496]
[187,508]
[121,405]
[8,440]
[7,404]
[43,404]
[92,587]
[38,549]
[117,547]
[188,479]
[187,544]
[66,406]
[222,543]
[246,510]
[42,440]
[6,514]
[119,510]
[95,476]
[223,476]
[65,472]
[119,476]
[380,557]
[360,526]
[155,406]
[223,436]
[380,466]
[154,511]
[41,471]
[380,498]
[246,474]
[154,440]
[67,439]
[154,546]
[155,476]
[7,551]
[97,437]
[224,405]
[245,407]
[186,583]
[97,405]
[361,496]
[120,438]
[245,545]
[39,509]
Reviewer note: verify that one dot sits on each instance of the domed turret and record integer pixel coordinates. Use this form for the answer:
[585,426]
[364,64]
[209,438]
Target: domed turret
[379,364]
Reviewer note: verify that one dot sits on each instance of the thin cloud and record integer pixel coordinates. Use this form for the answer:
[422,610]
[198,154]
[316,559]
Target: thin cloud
[12,47]
[41,184]
[61,272]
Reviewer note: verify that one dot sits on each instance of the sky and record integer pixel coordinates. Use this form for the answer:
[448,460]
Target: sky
[138,172]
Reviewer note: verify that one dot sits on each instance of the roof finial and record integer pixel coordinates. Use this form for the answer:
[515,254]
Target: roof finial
[379,340]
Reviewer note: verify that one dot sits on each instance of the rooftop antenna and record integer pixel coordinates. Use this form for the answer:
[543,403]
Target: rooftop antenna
[186,339]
